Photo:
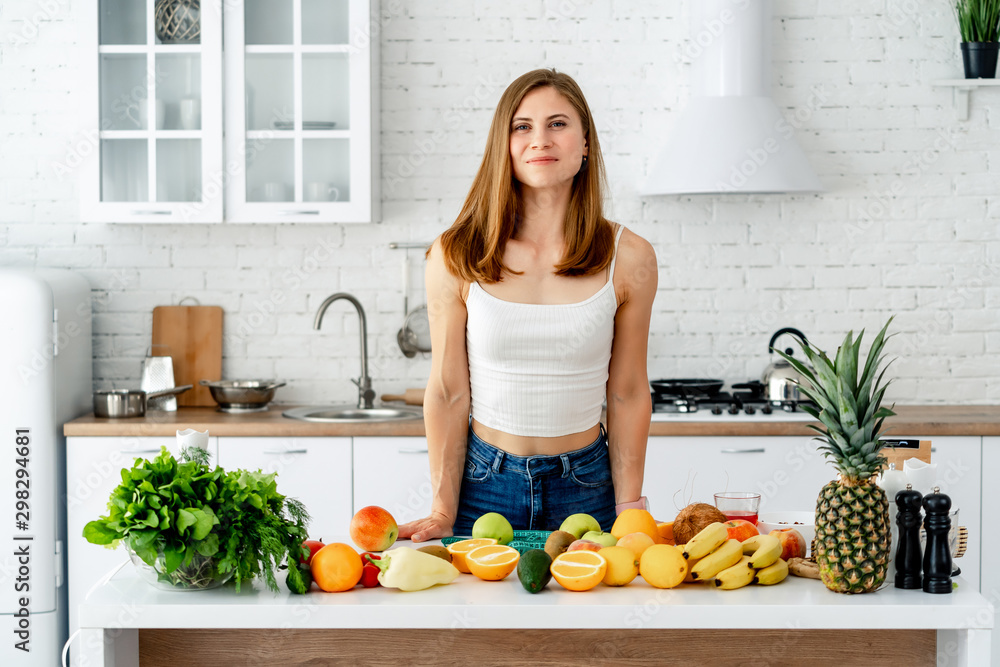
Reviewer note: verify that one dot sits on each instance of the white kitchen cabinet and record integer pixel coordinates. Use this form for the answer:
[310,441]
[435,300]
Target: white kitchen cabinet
[300,111]
[295,141]
[990,545]
[316,471]
[93,470]
[393,473]
[153,116]
[788,472]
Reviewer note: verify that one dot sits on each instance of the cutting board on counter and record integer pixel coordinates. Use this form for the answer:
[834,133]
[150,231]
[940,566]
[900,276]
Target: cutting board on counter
[193,338]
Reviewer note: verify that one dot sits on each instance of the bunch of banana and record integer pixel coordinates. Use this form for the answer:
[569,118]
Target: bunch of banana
[730,564]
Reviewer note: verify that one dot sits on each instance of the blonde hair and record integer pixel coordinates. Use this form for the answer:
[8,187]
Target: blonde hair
[473,246]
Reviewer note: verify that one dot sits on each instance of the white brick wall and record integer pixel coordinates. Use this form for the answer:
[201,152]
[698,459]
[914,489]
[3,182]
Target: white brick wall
[910,223]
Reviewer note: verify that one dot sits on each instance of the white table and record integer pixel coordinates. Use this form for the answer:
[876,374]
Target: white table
[115,611]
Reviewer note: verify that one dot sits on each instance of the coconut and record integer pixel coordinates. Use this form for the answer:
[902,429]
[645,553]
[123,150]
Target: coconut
[692,519]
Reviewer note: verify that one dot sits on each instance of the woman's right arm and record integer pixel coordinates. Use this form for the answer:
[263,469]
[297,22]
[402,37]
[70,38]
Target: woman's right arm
[446,401]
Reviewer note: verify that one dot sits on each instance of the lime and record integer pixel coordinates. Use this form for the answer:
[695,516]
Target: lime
[493,525]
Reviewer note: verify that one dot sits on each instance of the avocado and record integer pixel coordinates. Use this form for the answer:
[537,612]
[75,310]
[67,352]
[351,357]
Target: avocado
[437,550]
[533,570]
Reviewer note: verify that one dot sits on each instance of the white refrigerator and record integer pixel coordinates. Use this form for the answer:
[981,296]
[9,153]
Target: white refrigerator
[45,381]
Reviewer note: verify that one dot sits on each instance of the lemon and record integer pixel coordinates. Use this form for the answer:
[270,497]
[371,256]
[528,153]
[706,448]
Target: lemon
[623,565]
[663,566]
[493,525]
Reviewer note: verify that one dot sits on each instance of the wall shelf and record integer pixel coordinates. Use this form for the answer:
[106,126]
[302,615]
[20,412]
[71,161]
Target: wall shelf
[960,92]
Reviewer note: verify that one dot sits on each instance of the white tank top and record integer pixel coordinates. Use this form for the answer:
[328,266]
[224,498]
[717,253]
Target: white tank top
[540,370]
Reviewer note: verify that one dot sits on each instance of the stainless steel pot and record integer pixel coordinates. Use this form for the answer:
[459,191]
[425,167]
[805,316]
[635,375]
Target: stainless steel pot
[780,379]
[119,403]
[242,395]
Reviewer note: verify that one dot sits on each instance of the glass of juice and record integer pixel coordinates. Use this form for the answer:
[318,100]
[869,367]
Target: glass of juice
[738,505]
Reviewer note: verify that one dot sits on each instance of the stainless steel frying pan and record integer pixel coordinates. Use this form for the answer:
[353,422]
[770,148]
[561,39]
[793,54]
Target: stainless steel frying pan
[118,403]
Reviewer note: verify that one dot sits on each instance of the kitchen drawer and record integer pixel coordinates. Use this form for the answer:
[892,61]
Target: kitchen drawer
[315,471]
[787,472]
[93,470]
[393,473]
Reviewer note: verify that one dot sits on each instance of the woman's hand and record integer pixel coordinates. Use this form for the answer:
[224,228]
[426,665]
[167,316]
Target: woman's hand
[435,526]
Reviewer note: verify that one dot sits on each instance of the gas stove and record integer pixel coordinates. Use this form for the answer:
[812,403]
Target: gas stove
[749,405]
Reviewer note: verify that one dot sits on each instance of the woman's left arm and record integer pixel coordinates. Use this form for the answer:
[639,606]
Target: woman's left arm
[629,404]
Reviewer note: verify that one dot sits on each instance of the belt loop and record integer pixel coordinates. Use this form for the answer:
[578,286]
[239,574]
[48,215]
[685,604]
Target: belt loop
[565,463]
[498,460]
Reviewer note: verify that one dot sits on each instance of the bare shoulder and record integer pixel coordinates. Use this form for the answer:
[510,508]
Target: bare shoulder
[636,264]
[437,275]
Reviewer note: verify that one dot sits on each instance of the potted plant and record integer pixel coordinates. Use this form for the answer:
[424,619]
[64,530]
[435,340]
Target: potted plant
[188,526]
[979,25]
[853,541]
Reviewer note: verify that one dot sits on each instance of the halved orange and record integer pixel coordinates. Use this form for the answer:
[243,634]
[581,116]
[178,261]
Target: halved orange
[492,562]
[458,550]
[579,570]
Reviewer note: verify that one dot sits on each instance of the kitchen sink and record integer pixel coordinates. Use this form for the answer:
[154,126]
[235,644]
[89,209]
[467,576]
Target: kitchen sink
[351,414]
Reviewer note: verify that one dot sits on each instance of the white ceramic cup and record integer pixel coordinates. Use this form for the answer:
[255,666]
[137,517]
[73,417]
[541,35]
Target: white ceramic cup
[274,191]
[161,114]
[317,191]
[190,113]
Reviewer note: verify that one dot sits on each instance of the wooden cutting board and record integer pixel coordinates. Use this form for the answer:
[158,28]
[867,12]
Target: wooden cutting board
[193,336]
[411,397]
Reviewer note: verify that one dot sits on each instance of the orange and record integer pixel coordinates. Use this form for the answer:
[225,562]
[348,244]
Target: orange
[492,562]
[336,567]
[458,550]
[579,570]
[635,521]
[666,530]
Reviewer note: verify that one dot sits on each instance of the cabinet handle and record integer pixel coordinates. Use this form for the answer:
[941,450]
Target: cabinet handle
[298,212]
[151,212]
[412,450]
[759,450]
[286,451]
[140,451]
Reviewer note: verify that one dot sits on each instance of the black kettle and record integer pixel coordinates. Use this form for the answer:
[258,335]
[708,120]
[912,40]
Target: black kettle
[781,380]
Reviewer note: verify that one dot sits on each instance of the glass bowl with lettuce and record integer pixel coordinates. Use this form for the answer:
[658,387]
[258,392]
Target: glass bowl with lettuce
[188,526]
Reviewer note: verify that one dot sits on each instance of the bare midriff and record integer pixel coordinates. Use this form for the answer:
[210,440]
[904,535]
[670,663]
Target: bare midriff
[521,445]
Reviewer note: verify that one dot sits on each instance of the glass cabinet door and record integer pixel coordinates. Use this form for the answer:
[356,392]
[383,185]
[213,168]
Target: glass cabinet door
[298,110]
[156,112]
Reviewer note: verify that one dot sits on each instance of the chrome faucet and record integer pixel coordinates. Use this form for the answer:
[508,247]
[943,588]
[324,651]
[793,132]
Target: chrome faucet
[365,392]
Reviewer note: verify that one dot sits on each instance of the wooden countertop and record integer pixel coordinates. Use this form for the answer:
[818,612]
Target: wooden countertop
[911,420]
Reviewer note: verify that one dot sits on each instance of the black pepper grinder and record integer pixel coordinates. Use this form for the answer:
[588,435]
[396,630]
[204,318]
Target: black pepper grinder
[937,554]
[908,555]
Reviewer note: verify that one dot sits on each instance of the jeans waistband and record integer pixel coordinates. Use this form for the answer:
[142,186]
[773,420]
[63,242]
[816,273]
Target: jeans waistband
[531,466]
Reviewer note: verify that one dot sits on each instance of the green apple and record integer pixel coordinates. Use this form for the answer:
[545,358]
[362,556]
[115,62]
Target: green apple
[493,525]
[604,539]
[578,524]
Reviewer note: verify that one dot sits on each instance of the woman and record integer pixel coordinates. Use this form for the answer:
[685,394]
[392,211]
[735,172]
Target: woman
[539,307]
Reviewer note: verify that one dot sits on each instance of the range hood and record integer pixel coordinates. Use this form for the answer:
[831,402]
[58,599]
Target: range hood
[731,137]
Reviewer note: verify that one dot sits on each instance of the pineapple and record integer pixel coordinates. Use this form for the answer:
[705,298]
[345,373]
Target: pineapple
[853,541]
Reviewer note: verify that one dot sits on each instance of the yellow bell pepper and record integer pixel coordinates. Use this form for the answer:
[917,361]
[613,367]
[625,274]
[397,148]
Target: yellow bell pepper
[411,570]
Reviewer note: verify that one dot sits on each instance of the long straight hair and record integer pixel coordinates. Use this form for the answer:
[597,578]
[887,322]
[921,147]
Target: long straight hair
[474,245]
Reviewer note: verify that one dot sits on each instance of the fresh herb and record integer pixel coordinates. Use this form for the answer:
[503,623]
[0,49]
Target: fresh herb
[978,20]
[186,510]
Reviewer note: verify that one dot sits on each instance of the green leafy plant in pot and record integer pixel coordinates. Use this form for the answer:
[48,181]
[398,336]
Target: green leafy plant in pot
[189,526]
[853,542]
[979,25]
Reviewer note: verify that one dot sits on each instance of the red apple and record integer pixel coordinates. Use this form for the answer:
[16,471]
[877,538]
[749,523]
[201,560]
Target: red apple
[584,544]
[313,546]
[740,529]
[793,545]
[373,529]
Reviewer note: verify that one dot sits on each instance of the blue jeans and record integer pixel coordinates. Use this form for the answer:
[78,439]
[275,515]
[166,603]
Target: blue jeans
[536,492]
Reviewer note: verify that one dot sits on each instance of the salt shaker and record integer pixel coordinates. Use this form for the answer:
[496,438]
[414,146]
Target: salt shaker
[908,555]
[937,554]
